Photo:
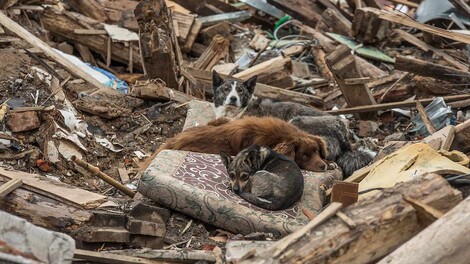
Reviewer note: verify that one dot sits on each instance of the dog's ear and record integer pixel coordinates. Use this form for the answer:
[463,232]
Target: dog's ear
[286,148]
[216,80]
[250,84]
[252,157]
[323,147]
[226,159]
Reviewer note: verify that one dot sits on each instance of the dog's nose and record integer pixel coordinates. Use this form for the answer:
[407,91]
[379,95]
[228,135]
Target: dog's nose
[236,189]
[322,166]
[233,99]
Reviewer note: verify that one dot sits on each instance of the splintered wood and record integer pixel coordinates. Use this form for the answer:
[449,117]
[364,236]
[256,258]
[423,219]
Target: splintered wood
[157,44]
[343,66]
[382,223]
[218,49]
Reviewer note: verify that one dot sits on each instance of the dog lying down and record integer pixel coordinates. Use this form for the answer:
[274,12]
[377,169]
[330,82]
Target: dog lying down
[242,102]
[264,178]
[338,138]
[308,151]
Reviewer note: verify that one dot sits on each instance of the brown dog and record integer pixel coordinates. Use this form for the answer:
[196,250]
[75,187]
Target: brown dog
[306,150]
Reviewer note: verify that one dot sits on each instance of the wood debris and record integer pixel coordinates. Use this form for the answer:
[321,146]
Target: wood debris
[91,89]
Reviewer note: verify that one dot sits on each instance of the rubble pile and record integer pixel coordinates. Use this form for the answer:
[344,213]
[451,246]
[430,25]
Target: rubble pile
[91,89]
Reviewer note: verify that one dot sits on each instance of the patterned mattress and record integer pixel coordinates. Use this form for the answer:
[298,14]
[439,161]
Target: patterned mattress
[197,184]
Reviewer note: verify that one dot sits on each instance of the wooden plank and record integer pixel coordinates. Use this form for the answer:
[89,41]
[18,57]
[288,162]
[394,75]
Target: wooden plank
[197,25]
[425,47]
[425,118]
[184,22]
[53,189]
[217,50]
[368,28]
[64,24]
[83,31]
[428,69]
[343,66]
[387,106]
[444,137]
[403,19]
[10,186]
[382,223]
[445,241]
[158,53]
[36,42]
[101,257]
[406,2]
[304,10]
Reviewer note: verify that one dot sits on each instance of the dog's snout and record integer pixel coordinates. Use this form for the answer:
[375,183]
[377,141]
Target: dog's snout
[236,189]
[233,99]
[322,166]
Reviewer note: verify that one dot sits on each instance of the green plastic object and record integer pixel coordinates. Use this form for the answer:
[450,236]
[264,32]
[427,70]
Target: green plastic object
[281,21]
[366,51]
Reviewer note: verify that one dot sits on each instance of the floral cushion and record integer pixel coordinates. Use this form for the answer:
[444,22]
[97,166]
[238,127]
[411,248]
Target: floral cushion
[197,184]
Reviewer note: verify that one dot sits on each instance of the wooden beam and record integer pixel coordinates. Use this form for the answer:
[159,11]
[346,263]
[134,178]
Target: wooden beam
[428,69]
[387,106]
[157,41]
[406,2]
[368,28]
[10,186]
[425,118]
[425,47]
[64,25]
[83,31]
[343,66]
[446,241]
[36,42]
[382,223]
[101,257]
[403,19]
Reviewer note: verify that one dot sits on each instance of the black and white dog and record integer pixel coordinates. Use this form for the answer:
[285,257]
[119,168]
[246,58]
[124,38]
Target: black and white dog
[231,97]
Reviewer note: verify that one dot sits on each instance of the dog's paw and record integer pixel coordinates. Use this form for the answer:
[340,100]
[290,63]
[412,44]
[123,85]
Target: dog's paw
[331,165]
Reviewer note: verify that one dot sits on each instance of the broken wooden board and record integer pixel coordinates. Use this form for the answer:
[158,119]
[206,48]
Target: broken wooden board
[446,241]
[10,186]
[56,190]
[334,21]
[36,42]
[387,106]
[184,22]
[403,19]
[275,72]
[424,68]
[368,28]
[309,12]
[110,258]
[343,66]
[158,53]
[426,47]
[382,223]
[158,91]
[462,137]
[217,50]
[65,24]
[442,139]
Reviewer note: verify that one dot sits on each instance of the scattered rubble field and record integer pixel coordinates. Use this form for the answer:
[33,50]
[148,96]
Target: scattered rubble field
[91,90]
